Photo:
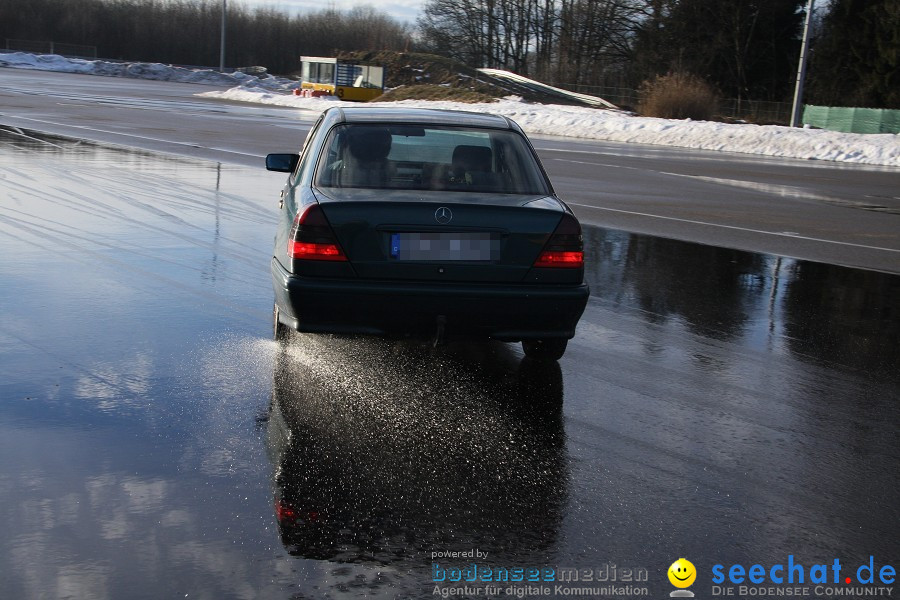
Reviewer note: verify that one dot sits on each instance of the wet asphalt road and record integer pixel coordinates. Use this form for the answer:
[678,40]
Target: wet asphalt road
[721,405]
[822,211]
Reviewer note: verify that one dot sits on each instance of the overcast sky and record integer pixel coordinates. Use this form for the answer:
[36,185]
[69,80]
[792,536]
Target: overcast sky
[402,10]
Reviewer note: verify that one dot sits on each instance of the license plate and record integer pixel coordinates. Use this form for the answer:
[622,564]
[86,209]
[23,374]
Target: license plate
[443,246]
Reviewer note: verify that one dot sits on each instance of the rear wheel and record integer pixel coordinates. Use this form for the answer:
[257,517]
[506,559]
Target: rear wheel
[551,349]
[279,329]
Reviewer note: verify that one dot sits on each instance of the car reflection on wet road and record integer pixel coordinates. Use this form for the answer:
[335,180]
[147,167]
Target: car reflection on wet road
[720,405]
[385,451]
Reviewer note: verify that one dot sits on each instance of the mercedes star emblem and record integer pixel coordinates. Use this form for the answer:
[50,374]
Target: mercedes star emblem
[443,215]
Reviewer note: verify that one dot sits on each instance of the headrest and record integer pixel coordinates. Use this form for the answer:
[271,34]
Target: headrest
[472,158]
[369,143]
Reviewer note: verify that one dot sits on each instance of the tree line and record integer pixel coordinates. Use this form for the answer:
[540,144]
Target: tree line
[745,48]
[187,32]
[856,58]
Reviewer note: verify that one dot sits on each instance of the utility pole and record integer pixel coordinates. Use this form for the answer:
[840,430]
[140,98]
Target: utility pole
[222,47]
[801,69]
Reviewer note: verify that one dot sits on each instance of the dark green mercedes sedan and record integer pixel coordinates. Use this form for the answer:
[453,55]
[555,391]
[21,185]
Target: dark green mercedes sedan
[431,223]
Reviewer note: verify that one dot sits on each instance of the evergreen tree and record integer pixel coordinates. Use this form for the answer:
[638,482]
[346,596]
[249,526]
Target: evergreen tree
[856,60]
[747,48]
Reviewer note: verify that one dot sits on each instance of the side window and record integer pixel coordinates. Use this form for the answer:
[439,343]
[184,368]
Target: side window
[304,154]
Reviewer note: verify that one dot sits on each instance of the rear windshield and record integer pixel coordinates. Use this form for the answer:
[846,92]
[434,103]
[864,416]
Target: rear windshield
[429,158]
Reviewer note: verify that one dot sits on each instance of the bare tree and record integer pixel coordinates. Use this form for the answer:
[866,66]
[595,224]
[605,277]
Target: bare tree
[571,41]
[187,31]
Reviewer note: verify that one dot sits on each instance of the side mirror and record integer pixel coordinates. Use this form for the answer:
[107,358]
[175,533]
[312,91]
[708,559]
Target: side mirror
[283,163]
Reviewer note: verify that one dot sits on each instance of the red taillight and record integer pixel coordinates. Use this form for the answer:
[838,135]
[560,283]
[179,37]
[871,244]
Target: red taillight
[565,248]
[307,251]
[312,237]
[560,259]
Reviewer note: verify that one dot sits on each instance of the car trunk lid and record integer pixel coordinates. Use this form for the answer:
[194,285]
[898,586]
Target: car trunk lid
[440,236]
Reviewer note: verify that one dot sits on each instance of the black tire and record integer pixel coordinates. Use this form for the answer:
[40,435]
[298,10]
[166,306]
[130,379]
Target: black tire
[550,349]
[280,331]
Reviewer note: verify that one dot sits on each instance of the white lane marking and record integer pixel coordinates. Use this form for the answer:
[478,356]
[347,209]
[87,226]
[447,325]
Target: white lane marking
[599,164]
[787,234]
[788,191]
[699,155]
[132,135]
[785,191]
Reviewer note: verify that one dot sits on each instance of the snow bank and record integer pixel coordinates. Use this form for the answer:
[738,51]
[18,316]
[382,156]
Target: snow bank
[138,70]
[570,121]
[590,123]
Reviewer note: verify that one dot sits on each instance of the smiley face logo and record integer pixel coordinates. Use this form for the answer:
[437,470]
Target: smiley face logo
[682,573]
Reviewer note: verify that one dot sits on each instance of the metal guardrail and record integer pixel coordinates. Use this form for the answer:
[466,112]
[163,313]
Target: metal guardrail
[61,48]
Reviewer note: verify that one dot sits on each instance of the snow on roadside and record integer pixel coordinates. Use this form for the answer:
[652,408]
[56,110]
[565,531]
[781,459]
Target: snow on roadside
[590,123]
[139,70]
[547,119]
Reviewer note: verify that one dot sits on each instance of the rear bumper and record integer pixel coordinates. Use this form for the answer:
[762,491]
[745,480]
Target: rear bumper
[507,312]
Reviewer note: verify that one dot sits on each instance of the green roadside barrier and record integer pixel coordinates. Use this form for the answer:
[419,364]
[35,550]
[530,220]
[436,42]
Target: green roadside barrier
[852,120]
